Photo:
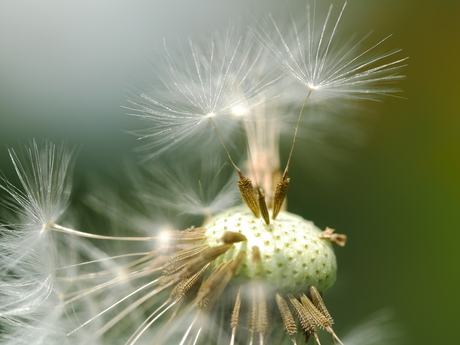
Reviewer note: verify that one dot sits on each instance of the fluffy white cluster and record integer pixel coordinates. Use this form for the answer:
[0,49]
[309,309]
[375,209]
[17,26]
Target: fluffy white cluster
[264,72]
[232,96]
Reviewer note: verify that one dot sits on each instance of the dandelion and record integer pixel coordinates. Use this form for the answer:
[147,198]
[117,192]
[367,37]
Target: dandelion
[250,272]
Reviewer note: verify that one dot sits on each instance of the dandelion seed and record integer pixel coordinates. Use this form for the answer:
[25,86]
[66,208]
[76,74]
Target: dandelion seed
[208,85]
[32,295]
[314,55]
[327,71]
[27,250]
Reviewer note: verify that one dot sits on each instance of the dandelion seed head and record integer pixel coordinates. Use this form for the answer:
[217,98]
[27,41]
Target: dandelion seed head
[292,256]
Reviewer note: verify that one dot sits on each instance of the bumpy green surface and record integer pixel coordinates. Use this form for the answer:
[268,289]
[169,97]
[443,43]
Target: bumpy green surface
[292,255]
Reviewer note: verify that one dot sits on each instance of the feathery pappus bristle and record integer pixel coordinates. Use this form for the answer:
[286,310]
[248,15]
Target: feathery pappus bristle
[198,87]
[313,51]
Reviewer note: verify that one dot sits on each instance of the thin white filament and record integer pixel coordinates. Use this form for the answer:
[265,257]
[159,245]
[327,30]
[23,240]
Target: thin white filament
[115,304]
[197,336]
[56,227]
[141,330]
[127,310]
[132,276]
[104,259]
[184,338]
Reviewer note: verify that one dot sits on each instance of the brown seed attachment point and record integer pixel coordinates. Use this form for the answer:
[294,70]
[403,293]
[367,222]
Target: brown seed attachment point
[247,193]
[337,239]
[212,288]
[286,316]
[184,286]
[319,303]
[256,254]
[208,288]
[230,237]
[280,194]
[179,259]
[307,321]
[259,316]
[319,319]
[263,205]
[236,313]
[320,312]
[203,259]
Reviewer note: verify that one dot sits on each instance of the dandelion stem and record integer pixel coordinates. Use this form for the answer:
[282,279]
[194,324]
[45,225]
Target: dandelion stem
[225,147]
[283,183]
[295,133]
[244,184]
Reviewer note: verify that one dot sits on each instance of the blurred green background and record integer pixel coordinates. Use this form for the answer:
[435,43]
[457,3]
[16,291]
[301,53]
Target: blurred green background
[65,68]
